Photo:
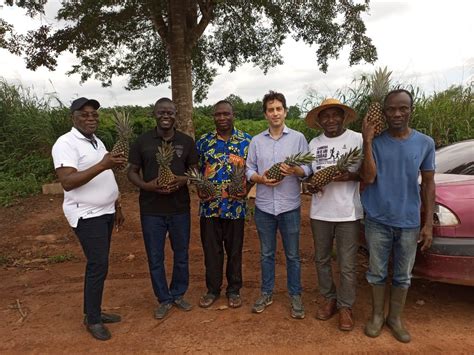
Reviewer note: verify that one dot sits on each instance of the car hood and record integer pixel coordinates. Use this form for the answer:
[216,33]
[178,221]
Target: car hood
[451,187]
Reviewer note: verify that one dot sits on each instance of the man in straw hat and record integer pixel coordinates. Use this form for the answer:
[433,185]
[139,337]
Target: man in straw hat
[335,209]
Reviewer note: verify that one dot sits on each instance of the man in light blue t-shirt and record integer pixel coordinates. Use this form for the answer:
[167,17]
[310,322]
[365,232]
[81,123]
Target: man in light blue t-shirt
[391,166]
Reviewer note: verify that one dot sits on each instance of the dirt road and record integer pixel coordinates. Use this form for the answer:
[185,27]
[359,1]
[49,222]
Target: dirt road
[38,283]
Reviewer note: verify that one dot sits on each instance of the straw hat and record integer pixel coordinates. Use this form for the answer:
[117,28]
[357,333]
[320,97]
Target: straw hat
[312,116]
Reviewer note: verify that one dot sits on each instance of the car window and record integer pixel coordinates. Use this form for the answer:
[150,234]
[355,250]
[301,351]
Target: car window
[457,158]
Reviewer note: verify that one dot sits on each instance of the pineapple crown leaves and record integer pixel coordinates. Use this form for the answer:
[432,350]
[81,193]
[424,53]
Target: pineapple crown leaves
[380,82]
[123,125]
[164,154]
[194,174]
[299,159]
[350,158]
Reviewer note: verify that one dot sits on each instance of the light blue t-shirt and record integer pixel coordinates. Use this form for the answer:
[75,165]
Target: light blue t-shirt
[394,197]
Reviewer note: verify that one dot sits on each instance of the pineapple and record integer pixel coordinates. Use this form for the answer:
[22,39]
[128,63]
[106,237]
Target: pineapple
[380,82]
[203,184]
[325,176]
[164,156]
[124,133]
[237,183]
[292,160]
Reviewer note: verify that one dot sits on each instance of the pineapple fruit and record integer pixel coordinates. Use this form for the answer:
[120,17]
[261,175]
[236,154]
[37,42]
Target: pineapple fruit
[203,184]
[292,160]
[324,176]
[380,83]
[237,184]
[164,156]
[124,133]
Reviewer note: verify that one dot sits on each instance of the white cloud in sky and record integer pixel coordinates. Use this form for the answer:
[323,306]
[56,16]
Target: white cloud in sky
[425,43]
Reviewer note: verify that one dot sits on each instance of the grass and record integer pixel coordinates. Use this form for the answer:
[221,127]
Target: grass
[4,260]
[29,126]
[61,258]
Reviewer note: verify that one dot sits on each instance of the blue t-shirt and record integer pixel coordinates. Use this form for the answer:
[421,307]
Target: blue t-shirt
[394,197]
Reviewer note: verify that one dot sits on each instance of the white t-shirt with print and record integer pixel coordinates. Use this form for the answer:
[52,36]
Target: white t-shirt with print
[95,198]
[339,201]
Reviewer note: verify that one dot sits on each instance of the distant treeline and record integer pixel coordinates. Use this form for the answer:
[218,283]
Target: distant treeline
[29,126]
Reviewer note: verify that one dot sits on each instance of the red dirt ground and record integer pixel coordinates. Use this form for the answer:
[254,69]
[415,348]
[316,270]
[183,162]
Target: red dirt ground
[440,316]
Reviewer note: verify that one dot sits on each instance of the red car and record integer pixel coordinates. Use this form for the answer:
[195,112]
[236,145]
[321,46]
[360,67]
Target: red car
[451,256]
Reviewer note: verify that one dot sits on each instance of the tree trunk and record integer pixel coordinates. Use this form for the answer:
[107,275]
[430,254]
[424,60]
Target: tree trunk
[181,66]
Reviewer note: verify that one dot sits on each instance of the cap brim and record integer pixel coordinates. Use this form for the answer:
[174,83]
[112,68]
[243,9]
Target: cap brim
[78,104]
[312,117]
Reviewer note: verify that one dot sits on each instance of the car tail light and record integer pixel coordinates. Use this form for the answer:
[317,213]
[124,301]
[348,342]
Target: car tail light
[443,216]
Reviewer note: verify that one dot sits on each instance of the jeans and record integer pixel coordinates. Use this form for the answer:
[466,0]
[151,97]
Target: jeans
[218,234]
[155,229]
[347,244]
[288,223]
[381,240]
[94,235]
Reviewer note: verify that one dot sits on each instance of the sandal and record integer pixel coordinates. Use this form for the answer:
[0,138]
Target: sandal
[207,300]
[234,301]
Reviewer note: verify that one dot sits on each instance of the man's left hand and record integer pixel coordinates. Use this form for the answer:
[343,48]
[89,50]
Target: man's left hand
[426,237]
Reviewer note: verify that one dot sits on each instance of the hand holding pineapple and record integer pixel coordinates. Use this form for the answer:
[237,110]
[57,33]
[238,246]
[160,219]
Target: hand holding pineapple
[368,130]
[113,160]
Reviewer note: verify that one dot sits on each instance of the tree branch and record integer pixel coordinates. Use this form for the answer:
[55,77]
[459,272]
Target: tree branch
[206,8]
[159,23]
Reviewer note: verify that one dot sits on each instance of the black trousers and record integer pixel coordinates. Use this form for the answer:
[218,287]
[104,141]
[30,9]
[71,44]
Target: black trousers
[218,234]
[94,235]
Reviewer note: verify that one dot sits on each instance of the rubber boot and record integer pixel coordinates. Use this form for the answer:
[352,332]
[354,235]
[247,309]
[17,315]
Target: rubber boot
[398,297]
[374,327]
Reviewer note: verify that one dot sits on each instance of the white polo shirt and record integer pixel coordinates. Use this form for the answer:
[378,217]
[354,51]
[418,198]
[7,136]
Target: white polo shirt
[98,196]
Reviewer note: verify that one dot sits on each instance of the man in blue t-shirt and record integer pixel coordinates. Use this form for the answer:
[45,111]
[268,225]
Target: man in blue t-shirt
[391,166]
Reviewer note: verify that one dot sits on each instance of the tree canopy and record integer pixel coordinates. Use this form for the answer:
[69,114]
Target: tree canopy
[183,41]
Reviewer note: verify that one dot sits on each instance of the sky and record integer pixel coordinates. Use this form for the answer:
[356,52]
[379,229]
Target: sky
[425,43]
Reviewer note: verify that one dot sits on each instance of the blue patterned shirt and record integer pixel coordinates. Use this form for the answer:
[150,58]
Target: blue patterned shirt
[216,157]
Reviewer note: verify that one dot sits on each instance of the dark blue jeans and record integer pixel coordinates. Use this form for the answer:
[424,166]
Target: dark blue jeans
[155,229]
[94,235]
[289,225]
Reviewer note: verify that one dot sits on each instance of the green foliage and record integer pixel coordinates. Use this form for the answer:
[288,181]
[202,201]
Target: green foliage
[61,258]
[446,116]
[4,260]
[217,32]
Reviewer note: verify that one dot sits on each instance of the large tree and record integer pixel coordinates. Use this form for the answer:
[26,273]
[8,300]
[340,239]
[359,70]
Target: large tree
[181,41]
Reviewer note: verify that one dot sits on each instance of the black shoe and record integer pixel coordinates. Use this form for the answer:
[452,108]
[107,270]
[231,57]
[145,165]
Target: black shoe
[182,304]
[110,318]
[106,318]
[98,331]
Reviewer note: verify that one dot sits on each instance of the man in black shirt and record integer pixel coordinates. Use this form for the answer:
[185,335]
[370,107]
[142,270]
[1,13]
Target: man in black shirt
[164,209]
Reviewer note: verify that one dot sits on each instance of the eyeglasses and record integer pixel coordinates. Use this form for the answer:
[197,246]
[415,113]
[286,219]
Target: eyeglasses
[390,111]
[165,113]
[84,114]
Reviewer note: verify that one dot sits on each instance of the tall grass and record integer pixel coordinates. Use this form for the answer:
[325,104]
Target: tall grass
[29,126]
[26,136]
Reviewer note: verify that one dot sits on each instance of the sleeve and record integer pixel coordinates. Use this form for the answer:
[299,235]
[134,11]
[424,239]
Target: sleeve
[312,150]
[251,162]
[200,151]
[304,147]
[428,163]
[65,155]
[134,156]
[192,158]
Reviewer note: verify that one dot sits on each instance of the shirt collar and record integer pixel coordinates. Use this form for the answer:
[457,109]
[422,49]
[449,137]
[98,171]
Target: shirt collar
[286,130]
[157,134]
[79,135]
[233,134]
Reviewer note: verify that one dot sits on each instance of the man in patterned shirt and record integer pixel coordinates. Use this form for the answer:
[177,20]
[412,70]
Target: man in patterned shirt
[222,217]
